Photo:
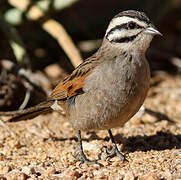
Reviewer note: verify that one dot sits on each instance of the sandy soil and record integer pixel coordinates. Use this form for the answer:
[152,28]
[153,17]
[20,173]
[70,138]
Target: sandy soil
[45,147]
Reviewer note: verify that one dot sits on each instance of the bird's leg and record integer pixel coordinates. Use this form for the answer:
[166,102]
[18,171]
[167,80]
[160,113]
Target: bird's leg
[114,151]
[81,154]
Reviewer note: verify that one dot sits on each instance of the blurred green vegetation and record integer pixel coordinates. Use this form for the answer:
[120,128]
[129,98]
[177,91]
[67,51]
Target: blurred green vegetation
[28,44]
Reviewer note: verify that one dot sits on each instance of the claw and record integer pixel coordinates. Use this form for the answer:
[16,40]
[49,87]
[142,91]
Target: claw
[81,156]
[114,151]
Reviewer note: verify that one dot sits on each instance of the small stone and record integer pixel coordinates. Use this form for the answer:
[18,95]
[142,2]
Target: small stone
[177,152]
[68,174]
[28,170]
[16,175]
[91,146]
[151,177]
[50,170]
[5,169]
[15,144]
[32,178]
[129,176]
[99,174]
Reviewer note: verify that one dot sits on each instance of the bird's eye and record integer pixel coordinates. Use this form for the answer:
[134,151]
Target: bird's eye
[131,25]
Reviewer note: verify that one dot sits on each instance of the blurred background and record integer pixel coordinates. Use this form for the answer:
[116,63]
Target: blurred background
[44,40]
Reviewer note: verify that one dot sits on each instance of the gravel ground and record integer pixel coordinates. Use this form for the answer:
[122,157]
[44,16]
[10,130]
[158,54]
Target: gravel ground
[45,147]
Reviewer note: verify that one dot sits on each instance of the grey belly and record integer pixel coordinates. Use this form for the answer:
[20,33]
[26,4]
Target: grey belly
[98,110]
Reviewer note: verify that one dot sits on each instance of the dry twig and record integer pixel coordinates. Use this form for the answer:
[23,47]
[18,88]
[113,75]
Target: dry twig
[54,28]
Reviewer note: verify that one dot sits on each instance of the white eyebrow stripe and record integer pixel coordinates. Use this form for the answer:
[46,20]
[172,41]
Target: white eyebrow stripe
[122,20]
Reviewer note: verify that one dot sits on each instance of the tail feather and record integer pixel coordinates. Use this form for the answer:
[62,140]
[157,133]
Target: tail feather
[29,113]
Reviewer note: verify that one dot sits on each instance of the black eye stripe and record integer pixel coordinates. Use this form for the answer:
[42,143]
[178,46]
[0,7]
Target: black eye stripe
[125,26]
[124,39]
[122,26]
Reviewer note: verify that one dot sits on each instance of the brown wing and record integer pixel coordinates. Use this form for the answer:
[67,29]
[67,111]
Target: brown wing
[73,83]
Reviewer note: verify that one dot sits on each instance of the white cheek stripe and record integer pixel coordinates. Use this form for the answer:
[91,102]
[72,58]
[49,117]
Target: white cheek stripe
[117,34]
[113,36]
[122,20]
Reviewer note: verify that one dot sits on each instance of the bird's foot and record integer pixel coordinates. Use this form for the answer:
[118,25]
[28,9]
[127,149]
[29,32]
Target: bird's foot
[82,157]
[115,152]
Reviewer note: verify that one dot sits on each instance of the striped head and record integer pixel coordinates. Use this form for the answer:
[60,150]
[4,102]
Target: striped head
[131,30]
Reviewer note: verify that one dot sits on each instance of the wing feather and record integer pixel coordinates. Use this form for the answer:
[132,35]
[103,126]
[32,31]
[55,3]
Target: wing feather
[72,85]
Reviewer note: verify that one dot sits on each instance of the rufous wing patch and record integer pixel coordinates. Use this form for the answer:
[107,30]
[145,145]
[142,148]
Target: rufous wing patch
[73,84]
[69,88]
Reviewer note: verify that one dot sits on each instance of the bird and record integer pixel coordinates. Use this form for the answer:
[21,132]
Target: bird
[109,87]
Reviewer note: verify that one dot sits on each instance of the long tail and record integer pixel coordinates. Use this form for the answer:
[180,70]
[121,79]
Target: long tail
[29,113]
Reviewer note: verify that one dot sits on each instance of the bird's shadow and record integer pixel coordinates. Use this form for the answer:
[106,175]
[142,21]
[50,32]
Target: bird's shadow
[160,141]
[160,116]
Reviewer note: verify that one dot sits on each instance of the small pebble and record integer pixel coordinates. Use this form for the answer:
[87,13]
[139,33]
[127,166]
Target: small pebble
[28,170]
[16,175]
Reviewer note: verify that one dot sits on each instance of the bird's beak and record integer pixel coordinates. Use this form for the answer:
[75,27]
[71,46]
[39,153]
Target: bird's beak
[152,30]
